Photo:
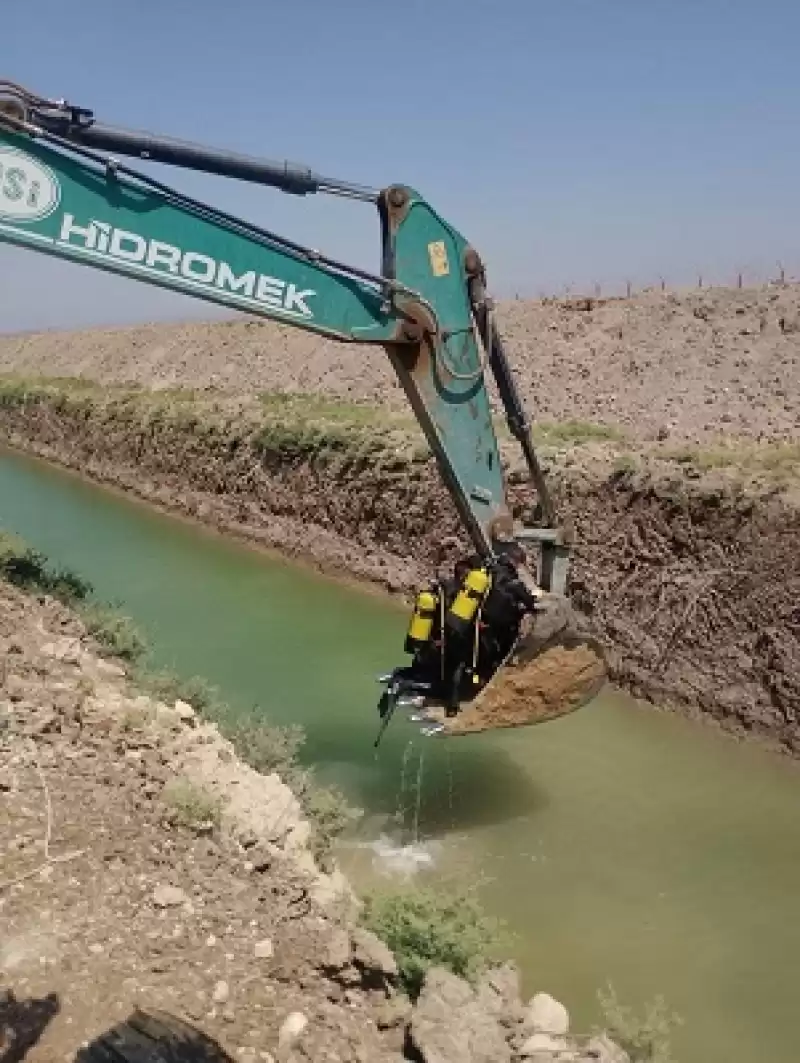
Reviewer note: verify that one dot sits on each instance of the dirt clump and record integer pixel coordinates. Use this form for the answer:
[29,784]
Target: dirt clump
[563,680]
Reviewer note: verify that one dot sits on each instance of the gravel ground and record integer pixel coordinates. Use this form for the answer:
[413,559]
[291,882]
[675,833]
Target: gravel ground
[107,905]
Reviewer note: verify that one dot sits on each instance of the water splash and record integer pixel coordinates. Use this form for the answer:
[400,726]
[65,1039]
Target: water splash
[418,803]
[400,814]
[405,859]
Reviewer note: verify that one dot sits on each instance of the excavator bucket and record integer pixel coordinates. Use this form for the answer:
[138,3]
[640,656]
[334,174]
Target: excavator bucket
[554,669]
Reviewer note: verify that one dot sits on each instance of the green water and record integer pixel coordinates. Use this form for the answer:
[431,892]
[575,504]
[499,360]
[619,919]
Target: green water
[620,844]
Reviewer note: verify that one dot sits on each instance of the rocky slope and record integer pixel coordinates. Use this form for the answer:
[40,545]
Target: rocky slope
[145,867]
[686,564]
[684,365]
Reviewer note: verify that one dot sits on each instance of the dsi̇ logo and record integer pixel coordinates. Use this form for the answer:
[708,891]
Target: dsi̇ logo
[29,190]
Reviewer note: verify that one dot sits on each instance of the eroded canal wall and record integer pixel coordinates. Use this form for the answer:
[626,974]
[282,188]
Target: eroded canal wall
[686,564]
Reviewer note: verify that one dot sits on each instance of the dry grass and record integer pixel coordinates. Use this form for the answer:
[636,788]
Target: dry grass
[776,461]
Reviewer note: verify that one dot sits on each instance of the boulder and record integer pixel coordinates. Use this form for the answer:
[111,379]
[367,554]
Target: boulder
[165,896]
[449,1026]
[545,1014]
[291,1029]
[545,1048]
[263,950]
[601,1049]
[372,954]
[184,711]
[499,993]
[337,950]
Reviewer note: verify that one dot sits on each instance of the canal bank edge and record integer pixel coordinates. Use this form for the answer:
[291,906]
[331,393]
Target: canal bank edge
[172,876]
[686,562]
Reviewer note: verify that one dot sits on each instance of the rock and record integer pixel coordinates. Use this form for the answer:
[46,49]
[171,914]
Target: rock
[337,954]
[95,666]
[184,711]
[263,950]
[291,1028]
[447,1024]
[15,687]
[543,1047]
[221,993]
[371,953]
[169,896]
[395,1012]
[498,992]
[601,1049]
[547,1015]
[42,723]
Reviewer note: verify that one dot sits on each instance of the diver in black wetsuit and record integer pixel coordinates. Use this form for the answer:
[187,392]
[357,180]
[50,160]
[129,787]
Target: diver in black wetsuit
[506,605]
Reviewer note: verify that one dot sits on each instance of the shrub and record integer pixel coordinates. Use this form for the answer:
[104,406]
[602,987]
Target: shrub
[330,814]
[425,928]
[577,432]
[114,632]
[168,687]
[646,1039]
[190,806]
[27,569]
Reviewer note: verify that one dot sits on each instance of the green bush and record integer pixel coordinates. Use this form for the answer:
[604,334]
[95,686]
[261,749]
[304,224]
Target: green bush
[114,632]
[27,569]
[646,1039]
[168,687]
[330,814]
[190,806]
[425,928]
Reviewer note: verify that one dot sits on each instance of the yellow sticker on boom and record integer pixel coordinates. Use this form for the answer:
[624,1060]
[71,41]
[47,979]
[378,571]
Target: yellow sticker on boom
[437,252]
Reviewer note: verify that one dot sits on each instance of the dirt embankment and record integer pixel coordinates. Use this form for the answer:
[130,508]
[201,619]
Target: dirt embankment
[145,867]
[670,422]
[690,575]
[688,365]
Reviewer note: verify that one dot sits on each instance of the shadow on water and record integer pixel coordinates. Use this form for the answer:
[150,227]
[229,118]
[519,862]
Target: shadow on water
[464,784]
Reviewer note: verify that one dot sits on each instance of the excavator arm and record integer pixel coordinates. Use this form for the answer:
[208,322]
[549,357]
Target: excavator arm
[64,191]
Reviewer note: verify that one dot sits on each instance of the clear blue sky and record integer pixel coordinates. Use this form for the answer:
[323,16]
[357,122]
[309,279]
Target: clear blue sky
[572,141]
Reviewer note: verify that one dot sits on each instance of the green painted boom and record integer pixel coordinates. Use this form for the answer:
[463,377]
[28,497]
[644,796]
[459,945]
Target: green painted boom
[59,195]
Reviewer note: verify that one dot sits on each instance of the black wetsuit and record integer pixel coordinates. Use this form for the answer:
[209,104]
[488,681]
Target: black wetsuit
[508,601]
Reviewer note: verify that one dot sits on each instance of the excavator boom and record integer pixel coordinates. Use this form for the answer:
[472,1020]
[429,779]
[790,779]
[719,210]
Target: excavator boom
[64,192]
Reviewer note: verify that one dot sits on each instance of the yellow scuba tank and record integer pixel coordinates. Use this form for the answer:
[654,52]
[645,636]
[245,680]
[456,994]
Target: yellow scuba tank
[420,626]
[465,605]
